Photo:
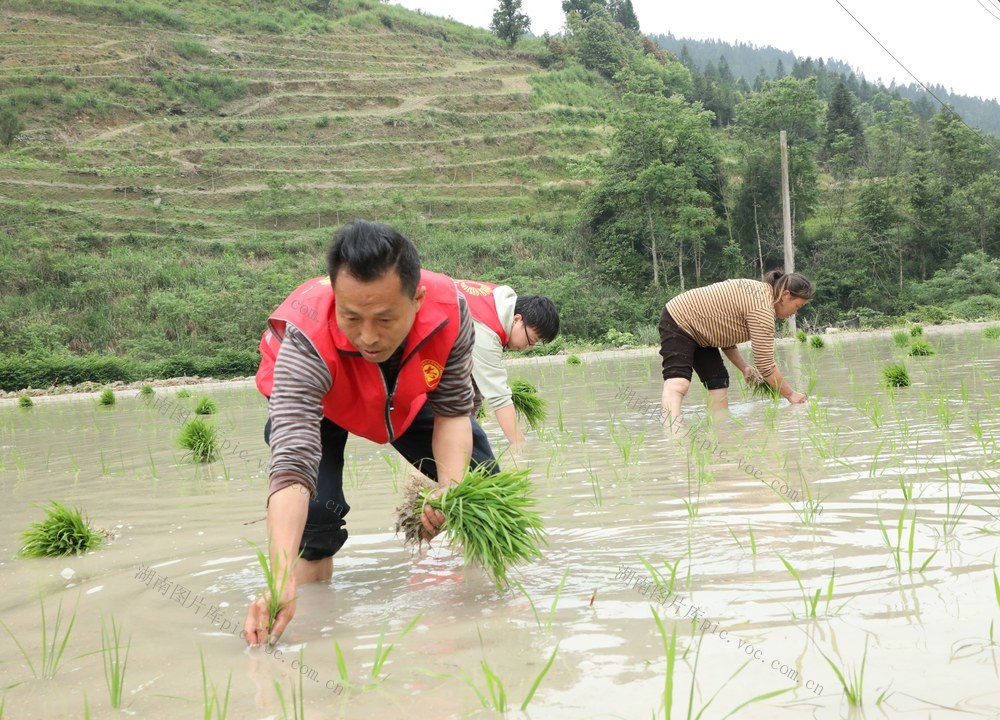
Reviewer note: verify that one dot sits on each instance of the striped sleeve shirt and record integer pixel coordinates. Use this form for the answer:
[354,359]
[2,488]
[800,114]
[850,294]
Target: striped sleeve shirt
[727,313]
[302,379]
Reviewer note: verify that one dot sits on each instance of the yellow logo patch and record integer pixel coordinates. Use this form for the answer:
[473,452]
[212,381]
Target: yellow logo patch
[475,288]
[432,373]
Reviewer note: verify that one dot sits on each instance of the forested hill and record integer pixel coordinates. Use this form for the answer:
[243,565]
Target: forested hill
[753,65]
[171,169]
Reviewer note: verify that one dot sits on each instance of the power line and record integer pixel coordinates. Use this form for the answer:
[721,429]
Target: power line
[988,8]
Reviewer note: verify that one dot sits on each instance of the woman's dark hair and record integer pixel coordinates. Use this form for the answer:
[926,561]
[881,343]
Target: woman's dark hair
[540,314]
[369,250]
[798,285]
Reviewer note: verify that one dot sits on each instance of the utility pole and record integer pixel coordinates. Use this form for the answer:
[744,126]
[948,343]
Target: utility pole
[786,212]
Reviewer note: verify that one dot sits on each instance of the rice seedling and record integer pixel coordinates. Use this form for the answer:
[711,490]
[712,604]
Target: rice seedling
[574,360]
[811,601]
[495,697]
[213,705]
[895,376]
[146,390]
[817,342]
[382,655]
[275,585]
[626,441]
[199,438]
[25,401]
[753,540]
[547,626]
[392,461]
[52,647]
[114,664]
[183,393]
[670,650]
[872,409]
[944,412]
[298,699]
[206,406]
[800,335]
[763,390]
[663,583]
[107,397]
[63,531]
[921,348]
[595,488]
[916,330]
[992,332]
[490,516]
[529,405]
[854,681]
[896,550]
[901,338]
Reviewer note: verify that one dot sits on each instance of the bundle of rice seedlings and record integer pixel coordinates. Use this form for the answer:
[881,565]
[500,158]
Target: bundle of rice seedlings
[107,397]
[64,531]
[900,338]
[763,390]
[916,330]
[817,341]
[25,401]
[146,390]
[184,393]
[198,437]
[574,360]
[992,332]
[921,348]
[800,335]
[206,406]
[489,515]
[896,375]
[529,405]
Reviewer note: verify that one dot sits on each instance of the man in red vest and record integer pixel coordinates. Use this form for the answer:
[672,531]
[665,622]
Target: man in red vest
[380,349]
[505,321]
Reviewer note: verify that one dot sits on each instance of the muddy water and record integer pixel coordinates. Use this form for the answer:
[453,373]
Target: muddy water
[713,512]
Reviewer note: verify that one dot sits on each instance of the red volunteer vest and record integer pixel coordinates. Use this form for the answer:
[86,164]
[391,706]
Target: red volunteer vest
[482,305]
[358,400]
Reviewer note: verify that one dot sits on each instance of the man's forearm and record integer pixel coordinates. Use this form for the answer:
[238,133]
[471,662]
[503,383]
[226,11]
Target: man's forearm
[507,418]
[286,519]
[452,448]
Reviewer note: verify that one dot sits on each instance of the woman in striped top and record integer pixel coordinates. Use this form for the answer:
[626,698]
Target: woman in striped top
[696,324]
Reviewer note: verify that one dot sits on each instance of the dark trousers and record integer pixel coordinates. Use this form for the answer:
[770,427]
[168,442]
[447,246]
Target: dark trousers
[325,532]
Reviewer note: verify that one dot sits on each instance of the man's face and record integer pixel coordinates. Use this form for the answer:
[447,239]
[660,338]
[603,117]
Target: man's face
[521,336]
[375,316]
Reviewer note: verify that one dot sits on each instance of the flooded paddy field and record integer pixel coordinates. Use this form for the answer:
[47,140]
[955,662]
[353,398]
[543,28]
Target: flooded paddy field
[757,557]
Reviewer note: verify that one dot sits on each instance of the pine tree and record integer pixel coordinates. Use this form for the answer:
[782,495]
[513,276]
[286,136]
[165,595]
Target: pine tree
[841,115]
[509,23]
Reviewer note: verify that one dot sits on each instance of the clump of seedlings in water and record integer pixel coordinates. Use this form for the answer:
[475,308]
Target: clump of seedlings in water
[529,405]
[901,338]
[490,516]
[921,348]
[52,647]
[146,390]
[800,335]
[916,330]
[25,402]
[896,375]
[763,390]
[992,332]
[64,531]
[184,393]
[574,360]
[199,438]
[817,342]
[206,406]
[114,664]
[107,397]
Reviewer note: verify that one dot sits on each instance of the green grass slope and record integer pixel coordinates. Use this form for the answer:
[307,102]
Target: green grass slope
[184,165]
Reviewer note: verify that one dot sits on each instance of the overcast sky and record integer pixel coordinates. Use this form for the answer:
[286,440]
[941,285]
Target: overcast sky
[948,43]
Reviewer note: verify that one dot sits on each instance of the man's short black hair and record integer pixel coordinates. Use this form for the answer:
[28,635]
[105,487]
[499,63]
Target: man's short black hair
[369,250]
[540,314]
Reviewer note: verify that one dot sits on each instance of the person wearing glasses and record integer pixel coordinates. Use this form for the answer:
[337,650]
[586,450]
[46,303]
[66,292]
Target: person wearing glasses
[504,321]
[696,324]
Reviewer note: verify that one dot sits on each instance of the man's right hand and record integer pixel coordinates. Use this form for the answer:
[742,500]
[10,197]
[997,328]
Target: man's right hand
[255,628]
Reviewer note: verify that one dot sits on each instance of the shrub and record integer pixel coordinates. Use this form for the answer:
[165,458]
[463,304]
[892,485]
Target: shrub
[322,121]
[63,531]
[896,375]
[199,438]
[617,338]
[921,348]
[977,307]
[192,50]
[10,126]
[206,406]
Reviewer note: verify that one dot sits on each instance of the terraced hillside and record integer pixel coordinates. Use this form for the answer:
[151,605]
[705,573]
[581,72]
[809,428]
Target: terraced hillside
[175,177]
